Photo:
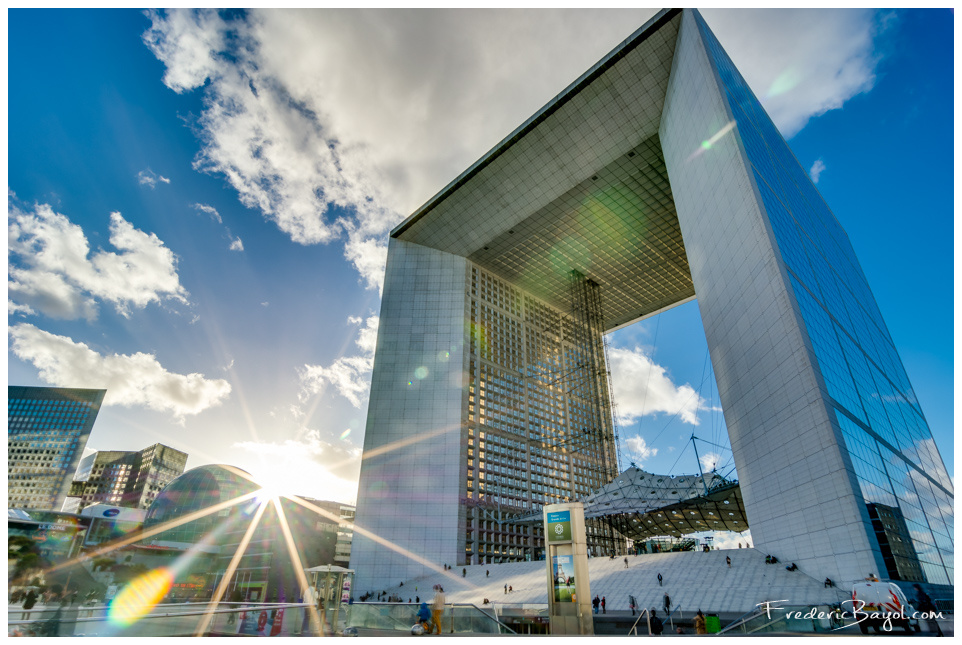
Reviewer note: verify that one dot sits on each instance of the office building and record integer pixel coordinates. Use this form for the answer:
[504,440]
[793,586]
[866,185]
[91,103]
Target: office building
[47,430]
[654,179]
[131,479]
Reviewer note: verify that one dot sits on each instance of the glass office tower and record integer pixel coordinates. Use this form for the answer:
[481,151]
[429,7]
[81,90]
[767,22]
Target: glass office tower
[47,430]
[885,432]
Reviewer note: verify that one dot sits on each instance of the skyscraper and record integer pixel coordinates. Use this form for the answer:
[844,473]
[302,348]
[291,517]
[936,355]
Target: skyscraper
[654,179]
[47,430]
[126,478]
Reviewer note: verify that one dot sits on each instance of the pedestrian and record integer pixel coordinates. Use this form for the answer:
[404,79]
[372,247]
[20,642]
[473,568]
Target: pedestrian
[464,573]
[424,617]
[596,603]
[417,599]
[667,604]
[660,579]
[487,574]
[923,602]
[657,627]
[631,604]
[700,623]
[626,563]
[603,602]
[437,607]
[510,588]
[505,588]
[728,561]
[793,567]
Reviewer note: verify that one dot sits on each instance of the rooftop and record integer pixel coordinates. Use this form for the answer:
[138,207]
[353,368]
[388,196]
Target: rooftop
[581,185]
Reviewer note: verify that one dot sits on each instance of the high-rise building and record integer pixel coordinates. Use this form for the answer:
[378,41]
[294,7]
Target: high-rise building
[47,430]
[654,179]
[126,478]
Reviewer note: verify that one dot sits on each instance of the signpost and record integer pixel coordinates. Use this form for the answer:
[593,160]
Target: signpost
[569,593]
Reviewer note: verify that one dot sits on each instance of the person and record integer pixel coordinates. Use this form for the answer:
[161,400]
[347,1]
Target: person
[829,583]
[923,602]
[700,623]
[487,573]
[872,577]
[505,588]
[792,567]
[667,604]
[631,604]
[424,617]
[603,603]
[30,600]
[626,563]
[437,608]
[659,580]
[510,588]
[596,603]
[657,627]
[464,573]
[728,561]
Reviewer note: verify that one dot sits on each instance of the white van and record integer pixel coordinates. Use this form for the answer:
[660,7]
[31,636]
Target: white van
[882,606]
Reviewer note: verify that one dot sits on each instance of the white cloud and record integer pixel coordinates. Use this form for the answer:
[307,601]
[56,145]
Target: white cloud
[306,466]
[816,170]
[150,178]
[731,540]
[235,242]
[131,380]
[800,63]
[56,275]
[210,210]
[350,376]
[710,461]
[333,151]
[642,388]
[639,449]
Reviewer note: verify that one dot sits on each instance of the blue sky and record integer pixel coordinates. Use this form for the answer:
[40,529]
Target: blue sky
[199,205]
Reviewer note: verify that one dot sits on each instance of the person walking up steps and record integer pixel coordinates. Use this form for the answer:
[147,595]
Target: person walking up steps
[728,561]
[667,604]
[660,579]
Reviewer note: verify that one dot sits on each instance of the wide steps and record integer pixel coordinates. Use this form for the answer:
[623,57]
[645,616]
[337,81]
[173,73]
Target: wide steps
[693,579]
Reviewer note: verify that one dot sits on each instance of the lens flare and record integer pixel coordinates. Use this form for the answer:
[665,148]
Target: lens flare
[421,373]
[140,596]
[345,434]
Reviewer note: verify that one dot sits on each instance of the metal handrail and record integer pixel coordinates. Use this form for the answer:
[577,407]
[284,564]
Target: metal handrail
[260,606]
[748,615]
[634,628]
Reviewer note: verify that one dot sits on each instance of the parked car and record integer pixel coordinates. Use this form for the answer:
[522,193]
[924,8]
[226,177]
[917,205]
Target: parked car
[882,606]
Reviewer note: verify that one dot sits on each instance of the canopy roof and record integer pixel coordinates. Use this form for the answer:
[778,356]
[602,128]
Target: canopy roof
[582,185]
[641,505]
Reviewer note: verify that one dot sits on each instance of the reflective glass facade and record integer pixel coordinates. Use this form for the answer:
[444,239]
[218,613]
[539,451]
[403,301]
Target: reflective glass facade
[537,428]
[47,430]
[196,490]
[899,470]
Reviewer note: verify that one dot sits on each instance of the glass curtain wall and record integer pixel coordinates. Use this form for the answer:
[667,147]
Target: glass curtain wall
[899,469]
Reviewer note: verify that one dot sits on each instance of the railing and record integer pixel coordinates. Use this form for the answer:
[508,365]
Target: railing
[400,617]
[181,619]
[634,628]
[945,605]
[800,619]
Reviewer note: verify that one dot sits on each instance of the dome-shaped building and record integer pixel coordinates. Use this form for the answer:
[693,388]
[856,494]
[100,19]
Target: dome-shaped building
[196,490]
